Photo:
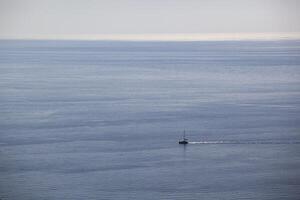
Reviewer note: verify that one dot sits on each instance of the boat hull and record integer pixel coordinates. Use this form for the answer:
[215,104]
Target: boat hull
[183,142]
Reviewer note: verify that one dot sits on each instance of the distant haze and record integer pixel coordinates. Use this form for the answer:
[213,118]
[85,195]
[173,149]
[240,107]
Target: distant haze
[153,20]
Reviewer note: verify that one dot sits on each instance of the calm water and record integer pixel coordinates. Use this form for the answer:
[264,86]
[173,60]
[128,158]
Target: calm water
[101,120]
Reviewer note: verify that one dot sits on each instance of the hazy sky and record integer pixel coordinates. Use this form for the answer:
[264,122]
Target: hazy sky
[79,18]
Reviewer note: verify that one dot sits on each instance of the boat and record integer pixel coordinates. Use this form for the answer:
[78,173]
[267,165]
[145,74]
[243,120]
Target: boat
[184,139]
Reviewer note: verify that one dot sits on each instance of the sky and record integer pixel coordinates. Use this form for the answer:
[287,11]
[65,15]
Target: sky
[149,19]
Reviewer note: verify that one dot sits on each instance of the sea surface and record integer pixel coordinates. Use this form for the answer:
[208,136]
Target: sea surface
[102,119]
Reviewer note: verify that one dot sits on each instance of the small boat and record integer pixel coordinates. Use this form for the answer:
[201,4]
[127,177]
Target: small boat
[184,139]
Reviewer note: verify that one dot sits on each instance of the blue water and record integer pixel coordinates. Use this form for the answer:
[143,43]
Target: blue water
[101,120]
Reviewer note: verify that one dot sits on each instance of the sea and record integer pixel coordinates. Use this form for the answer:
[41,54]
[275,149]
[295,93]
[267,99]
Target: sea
[102,120]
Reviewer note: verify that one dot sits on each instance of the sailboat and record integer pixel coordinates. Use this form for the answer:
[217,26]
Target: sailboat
[184,139]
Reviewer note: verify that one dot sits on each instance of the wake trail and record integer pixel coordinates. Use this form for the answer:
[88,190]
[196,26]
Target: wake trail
[244,142]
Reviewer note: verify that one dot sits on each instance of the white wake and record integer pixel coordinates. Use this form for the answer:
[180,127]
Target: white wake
[247,142]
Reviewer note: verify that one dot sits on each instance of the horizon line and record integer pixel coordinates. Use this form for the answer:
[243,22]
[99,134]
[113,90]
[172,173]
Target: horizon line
[163,37]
